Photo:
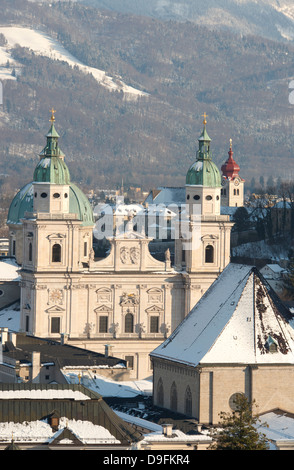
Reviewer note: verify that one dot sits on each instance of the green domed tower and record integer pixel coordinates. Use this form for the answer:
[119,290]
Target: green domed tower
[203,180]
[51,196]
[51,167]
[204,250]
[204,172]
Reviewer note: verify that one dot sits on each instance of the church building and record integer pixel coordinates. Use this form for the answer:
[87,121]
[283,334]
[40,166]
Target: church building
[237,340]
[127,303]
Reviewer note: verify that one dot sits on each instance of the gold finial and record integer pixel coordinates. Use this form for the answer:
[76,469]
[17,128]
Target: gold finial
[52,119]
[205,116]
[231,144]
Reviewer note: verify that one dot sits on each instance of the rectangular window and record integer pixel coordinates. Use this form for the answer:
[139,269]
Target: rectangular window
[85,248]
[55,325]
[154,324]
[103,324]
[27,323]
[130,361]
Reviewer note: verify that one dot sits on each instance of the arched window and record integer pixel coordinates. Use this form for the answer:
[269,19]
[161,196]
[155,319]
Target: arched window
[209,254]
[129,323]
[56,253]
[30,252]
[188,401]
[160,393]
[173,397]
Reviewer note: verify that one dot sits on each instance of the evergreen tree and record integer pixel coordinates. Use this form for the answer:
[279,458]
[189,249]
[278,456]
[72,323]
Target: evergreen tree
[239,429]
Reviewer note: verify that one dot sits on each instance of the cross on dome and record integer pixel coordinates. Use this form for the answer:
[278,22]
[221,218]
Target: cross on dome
[53,111]
[204,116]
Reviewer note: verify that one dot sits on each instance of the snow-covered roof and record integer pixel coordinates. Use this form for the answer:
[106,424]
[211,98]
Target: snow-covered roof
[40,394]
[276,268]
[10,317]
[166,195]
[279,426]
[41,431]
[82,414]
[107,387]
[9,270]
[232,323]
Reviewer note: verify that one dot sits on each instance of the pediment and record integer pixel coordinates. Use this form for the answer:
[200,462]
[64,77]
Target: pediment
[56,236]
[103,308]
[154,309]
[209,237]
[55,309]
[68,435]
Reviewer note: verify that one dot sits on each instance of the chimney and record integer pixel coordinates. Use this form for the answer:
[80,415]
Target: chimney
[63,338]
[36,367]
[12,337]
[108,350]
[4,335]
[167,430]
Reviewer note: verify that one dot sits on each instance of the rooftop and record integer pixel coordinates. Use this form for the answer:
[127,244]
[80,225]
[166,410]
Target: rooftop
[233,323]
[64,355]
[26,409]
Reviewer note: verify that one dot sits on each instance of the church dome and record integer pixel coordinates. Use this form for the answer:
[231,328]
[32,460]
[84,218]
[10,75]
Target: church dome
[204,171]
[51,169]
[24,202]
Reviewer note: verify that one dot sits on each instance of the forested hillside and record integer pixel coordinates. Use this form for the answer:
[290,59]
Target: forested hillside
[242,83]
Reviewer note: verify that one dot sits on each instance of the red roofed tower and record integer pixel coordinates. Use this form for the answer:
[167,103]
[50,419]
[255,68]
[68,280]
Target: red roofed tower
[232,192]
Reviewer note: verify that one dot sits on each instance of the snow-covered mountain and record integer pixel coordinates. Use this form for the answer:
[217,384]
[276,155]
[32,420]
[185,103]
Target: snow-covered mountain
[273,19]
[42,44]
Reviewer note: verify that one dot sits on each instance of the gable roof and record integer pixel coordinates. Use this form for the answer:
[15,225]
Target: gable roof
[232,323]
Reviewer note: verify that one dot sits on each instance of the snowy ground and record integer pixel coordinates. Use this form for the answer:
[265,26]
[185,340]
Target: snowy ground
[42,44]
[261,250]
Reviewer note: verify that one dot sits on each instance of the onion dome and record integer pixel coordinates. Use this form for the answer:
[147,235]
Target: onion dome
[230,169]
[204,172]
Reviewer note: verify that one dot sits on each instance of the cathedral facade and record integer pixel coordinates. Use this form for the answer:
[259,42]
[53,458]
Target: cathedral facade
[128,303]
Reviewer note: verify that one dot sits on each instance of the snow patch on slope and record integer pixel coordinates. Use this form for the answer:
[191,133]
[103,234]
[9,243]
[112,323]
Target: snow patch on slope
[42,44]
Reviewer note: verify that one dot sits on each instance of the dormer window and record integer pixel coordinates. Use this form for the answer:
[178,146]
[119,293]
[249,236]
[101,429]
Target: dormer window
[54,419]
[271,345]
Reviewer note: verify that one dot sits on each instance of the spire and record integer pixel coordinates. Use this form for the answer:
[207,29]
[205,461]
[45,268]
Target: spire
[204,172]
[52,148]
[230,169]
[204,142]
